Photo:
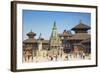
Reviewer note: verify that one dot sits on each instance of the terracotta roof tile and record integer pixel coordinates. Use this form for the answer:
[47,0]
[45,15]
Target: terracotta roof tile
[79,36]
[81,26]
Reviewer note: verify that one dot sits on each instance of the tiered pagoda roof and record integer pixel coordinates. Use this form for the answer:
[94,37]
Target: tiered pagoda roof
[80,32]
[35,41]
[79,36]
[81,26]
[31,33]
[32,40]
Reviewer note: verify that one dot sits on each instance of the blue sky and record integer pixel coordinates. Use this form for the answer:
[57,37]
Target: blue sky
[42,21]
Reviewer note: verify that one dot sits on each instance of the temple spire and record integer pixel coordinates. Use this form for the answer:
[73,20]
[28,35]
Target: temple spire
[54,26]
[55,42]
[80,21]
[31,30]
[40,36]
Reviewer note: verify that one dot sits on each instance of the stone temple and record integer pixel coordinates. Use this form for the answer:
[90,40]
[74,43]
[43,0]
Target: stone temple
[55,42]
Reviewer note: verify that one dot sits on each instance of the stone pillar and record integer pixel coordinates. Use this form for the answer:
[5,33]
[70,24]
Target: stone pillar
[40,46]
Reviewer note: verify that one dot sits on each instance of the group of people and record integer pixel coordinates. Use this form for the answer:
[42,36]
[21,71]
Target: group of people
[27,56]
[78,55]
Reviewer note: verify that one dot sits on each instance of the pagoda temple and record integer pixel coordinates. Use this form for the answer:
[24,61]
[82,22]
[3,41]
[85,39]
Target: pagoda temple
[33,46]
[81,34]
